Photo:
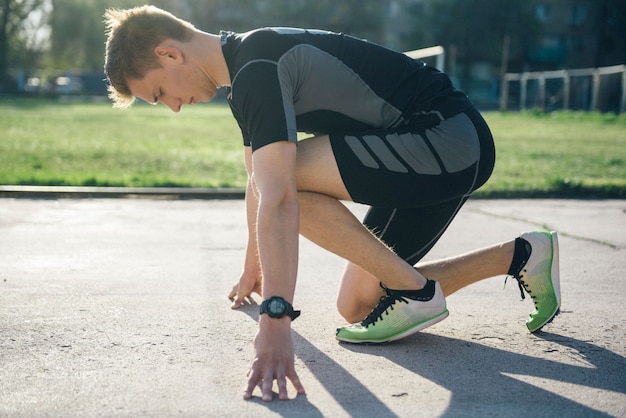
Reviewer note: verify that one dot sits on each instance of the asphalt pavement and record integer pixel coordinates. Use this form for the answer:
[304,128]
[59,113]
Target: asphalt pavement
[117,307]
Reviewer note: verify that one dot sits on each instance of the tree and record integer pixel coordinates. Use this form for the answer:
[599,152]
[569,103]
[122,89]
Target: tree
[13,43]
[77,33]
[357,17]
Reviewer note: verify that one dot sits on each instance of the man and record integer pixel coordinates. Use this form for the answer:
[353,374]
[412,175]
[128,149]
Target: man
[387,131]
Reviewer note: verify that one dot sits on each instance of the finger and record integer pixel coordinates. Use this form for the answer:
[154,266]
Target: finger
[253,380]
[295,381]
[236,304]
[247,393]
[237,297]
[266,387]
[281,381]
[282,388]
[240,290]
[233,291]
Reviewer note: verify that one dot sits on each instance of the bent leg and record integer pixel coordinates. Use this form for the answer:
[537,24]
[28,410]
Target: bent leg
[359,291]
[457,272]
[358,294]
[412,233]
[328,223]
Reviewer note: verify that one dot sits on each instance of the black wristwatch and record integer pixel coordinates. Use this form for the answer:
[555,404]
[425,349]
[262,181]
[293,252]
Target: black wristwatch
[277,307]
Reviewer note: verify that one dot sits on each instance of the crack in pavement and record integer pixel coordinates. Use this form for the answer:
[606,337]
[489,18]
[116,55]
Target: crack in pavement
[546,227]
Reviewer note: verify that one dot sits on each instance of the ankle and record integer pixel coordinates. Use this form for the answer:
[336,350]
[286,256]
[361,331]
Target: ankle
[521,255]
[424,294]
[415,281]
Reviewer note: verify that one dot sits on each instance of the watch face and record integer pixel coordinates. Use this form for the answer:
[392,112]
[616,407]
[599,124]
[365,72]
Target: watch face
[276,306]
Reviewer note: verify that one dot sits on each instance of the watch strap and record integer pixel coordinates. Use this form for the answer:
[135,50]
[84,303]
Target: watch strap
[290,312]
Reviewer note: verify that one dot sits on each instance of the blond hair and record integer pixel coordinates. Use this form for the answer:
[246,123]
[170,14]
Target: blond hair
[132,36]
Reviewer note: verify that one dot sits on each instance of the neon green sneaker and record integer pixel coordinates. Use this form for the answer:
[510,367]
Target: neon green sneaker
[397,315]
[539,277]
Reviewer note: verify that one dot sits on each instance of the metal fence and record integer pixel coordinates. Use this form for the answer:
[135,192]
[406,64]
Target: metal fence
[588,89]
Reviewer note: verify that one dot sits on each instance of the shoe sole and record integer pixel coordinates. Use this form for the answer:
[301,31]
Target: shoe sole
[403,334]
[555,268]
[554,278]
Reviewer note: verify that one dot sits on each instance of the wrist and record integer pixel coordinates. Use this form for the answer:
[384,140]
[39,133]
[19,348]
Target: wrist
[266,321]
[277,307]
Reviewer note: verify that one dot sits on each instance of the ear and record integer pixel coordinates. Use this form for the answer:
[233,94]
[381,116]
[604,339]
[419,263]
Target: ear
[169,51]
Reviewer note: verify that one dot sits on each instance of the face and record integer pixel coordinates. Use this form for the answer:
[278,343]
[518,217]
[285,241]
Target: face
[177,83]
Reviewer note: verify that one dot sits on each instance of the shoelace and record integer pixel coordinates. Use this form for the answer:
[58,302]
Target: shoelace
[386,302]
[523,260]
[521,284]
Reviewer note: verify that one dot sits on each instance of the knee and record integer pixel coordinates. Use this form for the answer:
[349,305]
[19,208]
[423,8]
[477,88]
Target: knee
[349,311]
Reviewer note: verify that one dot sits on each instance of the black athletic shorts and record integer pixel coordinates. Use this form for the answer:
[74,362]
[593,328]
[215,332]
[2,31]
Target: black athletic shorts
[416,177]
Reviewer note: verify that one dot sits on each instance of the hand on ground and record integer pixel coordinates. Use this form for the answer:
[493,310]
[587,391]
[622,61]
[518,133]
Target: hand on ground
[273,360]
[243,289]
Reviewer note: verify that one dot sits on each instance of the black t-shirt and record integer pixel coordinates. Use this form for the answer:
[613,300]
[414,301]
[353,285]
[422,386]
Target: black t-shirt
[287,80]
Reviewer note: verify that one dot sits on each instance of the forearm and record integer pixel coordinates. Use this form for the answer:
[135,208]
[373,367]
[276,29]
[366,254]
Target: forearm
[273,168]
[251,264]
[277,237]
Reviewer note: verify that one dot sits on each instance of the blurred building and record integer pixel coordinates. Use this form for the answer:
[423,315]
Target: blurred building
[572,33]
[566,34]
[579,34]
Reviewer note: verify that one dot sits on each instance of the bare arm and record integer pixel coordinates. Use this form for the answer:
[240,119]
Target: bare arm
[277,237]
[251,279]
[277,218]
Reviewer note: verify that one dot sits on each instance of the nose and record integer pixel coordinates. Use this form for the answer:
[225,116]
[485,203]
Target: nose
[173,104]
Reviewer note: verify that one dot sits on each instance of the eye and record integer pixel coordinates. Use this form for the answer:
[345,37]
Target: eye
[158,96]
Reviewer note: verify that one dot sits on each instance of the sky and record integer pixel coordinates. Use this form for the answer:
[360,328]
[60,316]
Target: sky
[36,29]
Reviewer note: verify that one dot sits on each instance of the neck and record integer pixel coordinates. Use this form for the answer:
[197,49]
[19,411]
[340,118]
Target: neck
[207,50]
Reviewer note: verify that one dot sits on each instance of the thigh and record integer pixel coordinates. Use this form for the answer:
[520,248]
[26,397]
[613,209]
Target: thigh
[428,162]
[317,170]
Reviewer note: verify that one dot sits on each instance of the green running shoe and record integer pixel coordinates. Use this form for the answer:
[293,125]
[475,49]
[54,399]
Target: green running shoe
[397,315]
[539,277]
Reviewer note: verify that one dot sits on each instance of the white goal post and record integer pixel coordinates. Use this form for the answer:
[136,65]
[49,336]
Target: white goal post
[433,51]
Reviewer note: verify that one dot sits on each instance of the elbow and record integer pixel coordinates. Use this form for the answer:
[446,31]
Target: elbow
[291,205]
[276,195]
[283,202]
[289,211]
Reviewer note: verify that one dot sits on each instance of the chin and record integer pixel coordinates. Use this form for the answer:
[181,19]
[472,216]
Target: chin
[209,96]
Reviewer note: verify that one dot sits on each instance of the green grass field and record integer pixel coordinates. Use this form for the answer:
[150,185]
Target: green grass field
[91,144]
